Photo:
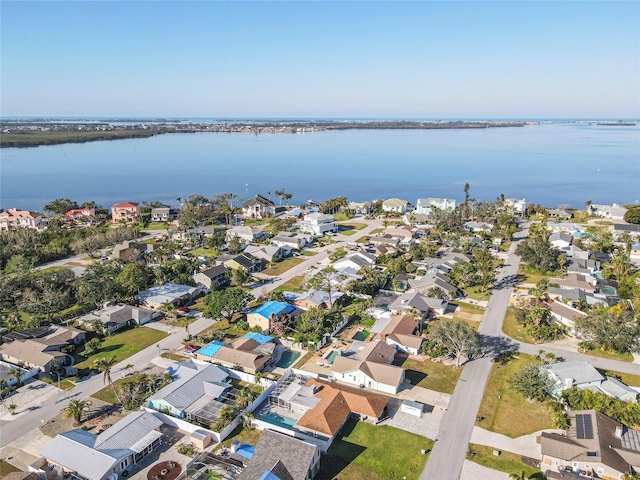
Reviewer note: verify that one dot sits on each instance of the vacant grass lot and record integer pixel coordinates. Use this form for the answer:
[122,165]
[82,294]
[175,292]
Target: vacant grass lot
[365,451]
[279,268]
[432,375]
[123,345]
[293,285]
[506,462]
[512,328]
[476,294]
[526,275]
[106,393]
[504,411]
[350,228]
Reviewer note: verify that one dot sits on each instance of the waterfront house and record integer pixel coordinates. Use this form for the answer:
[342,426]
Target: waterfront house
[584,376]
[213,278]
[370,368]
[125,212]
[86,213]
[16,218]
[164,213]
[614,211]
[109,455]
[319,224]
[425,206]
[280,456]
[397,205]
[258,207]
[516,206]
[594,446]
[619,229]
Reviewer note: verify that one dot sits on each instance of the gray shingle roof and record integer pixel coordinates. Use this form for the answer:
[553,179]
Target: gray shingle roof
[580,372]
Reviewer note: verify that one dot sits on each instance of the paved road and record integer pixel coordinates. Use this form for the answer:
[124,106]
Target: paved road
[448,454]
[28,420]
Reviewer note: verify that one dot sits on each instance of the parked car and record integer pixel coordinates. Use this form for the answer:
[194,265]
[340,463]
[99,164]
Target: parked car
[182,310]
[190,348]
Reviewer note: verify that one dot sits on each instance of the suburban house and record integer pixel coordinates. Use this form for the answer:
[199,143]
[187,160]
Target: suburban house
[559,213]
[312,298]
[397,205]
[109,455]
[594,446]
[268,253]
[561,240]
[290,240]
[416,301]
[164,213]
[417,219]
[280,456]
[125,212]
[213,278]
[614,211]
[266,315]
[316,410]
[404,233]
[482,227]
[584,376]
[399,334]
[245,261]
[245,234]
[115,317]
[258,207]
[618,230]
[425,206]
[575,295]
[80,214]
[586,283]
[174,293]
[386,240]
[196,394]
[41,348]
[434,280]
[385,250]
[370,368]
[130,251]
[516,206]
[355,260]
[318,224]
[249,353]
[16,218]
[565,314]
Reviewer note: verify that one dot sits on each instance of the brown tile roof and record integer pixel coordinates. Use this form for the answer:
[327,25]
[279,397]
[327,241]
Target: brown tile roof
[29,351]
[378,352]
[405,324]
[124,205]
[246,344]
[246,359]
[564,311]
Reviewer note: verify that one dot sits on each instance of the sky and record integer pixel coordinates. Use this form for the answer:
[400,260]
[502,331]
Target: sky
[287,59]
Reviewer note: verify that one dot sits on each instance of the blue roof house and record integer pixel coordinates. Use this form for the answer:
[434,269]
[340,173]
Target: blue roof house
[265,315]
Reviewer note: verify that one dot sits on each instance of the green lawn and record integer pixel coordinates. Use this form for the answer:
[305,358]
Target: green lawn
[202,252]
[7,468]
[476,294]
[106,393]
[243,435]
[505,462]
[512,328]
[308,253]
[174,356]
[365,451]
[364,239]
[156,226]
[294,284]
[123,345]
[504,411]
[432,375]
[279,268]
[65,384]
[623,357]
[526,275]
[469,308]
[350,228]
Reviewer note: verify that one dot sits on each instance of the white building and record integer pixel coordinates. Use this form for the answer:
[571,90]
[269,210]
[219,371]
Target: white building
[614,211]
[425,205]
[319,224]
[397,205]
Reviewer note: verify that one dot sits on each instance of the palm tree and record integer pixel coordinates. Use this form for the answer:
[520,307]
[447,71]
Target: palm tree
[167,378]
[244,398]
[258,376]
[247,419]
[128,367]
[17,374]
[105,364]
[74,409]
[4,391]
[184,322]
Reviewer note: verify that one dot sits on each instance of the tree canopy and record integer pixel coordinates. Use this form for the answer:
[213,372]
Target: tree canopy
[531,382]
[226,303]
[538,253]
[458,339]
[614,329]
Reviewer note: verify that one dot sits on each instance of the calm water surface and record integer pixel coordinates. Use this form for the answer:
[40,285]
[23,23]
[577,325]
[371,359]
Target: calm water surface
[548,164]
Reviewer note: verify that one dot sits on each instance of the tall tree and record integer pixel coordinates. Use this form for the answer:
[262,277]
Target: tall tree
[326,280]
[105,364]
[458,339]
[485,268]
[226,303]
[538,253]
[17,374]
[614,329]
[60,206]
[531,382]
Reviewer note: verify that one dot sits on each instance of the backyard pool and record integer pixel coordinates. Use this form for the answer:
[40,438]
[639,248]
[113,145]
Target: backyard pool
[287,359]
[332,356]
[278,420]
[361,335]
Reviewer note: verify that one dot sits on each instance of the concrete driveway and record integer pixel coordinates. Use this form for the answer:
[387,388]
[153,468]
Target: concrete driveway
[28,398]
[426,426]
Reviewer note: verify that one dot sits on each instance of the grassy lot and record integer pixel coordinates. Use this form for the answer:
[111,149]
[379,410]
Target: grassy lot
[174,356]
[307,253]
[526,275]
[476,294]
[350,228]
[123,345]
[377,230]
[626,378]
[279,268]
[472,323]
[65,384]
[156,226]
[469,308]
[293,285]
[432,375]
[504,411]
[243,435]
[364,239]
[7,468]
[202,252]
[230,330]
[106,393]
[512,328]
[623,357]
[506,462]
[364,451]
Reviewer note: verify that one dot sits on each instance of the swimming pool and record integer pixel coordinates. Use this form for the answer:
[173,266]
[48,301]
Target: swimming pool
[332,356]
[278,420]
[287,359]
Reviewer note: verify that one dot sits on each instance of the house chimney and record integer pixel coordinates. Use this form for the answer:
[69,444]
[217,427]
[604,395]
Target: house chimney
[618,431]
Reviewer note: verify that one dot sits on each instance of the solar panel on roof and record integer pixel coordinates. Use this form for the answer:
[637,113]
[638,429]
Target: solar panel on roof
[588,427]
[584,427]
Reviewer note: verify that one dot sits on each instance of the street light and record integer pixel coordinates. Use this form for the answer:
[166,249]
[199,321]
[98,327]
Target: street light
[158,345]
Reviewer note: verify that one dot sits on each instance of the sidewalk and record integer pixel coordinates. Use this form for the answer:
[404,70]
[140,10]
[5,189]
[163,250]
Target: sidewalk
[525,445]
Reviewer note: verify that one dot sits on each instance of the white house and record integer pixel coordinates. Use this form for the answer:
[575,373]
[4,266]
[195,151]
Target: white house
[245,234]
[399,334]
[258,207]
[614,211]
[115,317]
[292,240]
[560,240]
[355,260]
[319,224]
[426,205]
[397,205]
[16,218]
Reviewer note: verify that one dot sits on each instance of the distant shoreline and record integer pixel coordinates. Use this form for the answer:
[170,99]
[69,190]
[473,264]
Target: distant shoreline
[26,134]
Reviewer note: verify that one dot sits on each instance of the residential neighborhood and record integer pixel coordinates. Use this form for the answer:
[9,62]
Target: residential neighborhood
[266,350]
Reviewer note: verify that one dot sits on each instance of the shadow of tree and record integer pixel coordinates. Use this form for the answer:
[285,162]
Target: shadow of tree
[492,346]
